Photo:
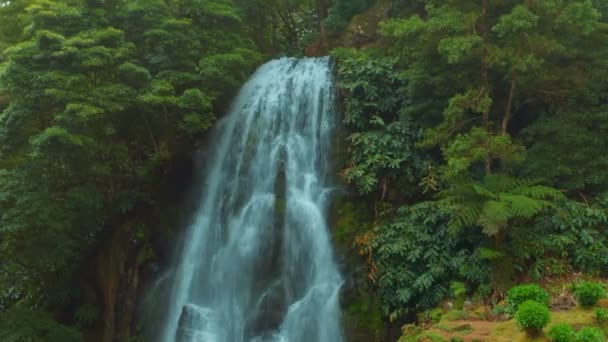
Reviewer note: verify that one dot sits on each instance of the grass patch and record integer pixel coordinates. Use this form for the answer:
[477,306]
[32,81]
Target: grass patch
[510,331]
[458,324]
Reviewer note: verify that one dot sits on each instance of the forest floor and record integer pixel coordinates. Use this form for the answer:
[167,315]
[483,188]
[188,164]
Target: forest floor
[472,327]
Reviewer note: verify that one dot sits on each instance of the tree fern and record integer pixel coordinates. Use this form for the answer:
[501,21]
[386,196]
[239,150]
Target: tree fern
[495,201]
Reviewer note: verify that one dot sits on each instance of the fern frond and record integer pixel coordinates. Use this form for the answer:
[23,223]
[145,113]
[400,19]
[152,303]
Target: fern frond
[494,217]
[539,192]
[496,211]
[524,206]
[483,191]
[464,216]
[489,227]
[496,200]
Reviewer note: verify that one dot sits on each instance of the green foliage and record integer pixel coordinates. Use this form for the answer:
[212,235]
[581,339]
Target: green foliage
[342,11]
[512,120]
[416,259]
[97,98]
[562,332]
[382,147]
[364,313]
[499,310]
[574,234]
[589,293]
[574,137]
[521,293]
[601,316]
[459,292]
[602,7]
[482,63]
[372,86]
[103,96]
[19,325]
[496,201]
[477,146]
[383,157]
[283,26]
[436,315]
[533,316]
[590,334]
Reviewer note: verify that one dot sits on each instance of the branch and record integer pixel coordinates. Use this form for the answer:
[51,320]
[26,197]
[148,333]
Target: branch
[151,134]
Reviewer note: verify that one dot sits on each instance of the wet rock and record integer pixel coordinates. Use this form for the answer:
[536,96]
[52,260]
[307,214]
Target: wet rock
[196,324]
[270,312]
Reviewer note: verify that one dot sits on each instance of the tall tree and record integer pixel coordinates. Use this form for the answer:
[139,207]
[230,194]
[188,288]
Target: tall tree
[501,58]
[102,96]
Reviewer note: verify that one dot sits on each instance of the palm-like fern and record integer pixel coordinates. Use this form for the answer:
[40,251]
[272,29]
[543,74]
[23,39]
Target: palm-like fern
[495,201]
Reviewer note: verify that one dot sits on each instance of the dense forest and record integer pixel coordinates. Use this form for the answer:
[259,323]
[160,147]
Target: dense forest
[473,153]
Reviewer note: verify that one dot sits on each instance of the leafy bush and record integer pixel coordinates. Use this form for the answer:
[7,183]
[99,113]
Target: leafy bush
[382,146]
[589,293]
[577,232]
[20,325]
[416,259]
[522,293]
[436,315]
[601,315]
[459,291]
[533,316]
[562,332]
[591,334]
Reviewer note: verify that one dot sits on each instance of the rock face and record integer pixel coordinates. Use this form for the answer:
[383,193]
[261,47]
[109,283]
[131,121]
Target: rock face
[270,312]
[361,32]
[196,325]
[363,28]
[118,284]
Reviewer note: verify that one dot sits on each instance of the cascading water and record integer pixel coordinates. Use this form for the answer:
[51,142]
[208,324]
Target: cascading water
[257,263]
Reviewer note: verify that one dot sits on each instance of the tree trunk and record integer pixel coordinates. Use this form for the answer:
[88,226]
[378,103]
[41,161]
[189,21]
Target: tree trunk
[483,28]
[509,111]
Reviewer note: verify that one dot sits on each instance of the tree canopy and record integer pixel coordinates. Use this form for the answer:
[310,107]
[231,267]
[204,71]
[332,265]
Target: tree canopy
[509,96]
[474,133]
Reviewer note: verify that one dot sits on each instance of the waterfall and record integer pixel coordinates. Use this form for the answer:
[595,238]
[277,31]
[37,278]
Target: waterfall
[257,263]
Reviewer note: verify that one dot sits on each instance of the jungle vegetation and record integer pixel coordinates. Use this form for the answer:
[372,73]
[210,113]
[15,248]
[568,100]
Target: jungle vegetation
[476,139]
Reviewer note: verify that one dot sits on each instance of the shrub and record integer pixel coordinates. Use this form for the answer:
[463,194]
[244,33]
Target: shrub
[589,293]
[436,315]
[562,333]
[532,316]
[522,293]
[590,334]
[422,280]
[601,315]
